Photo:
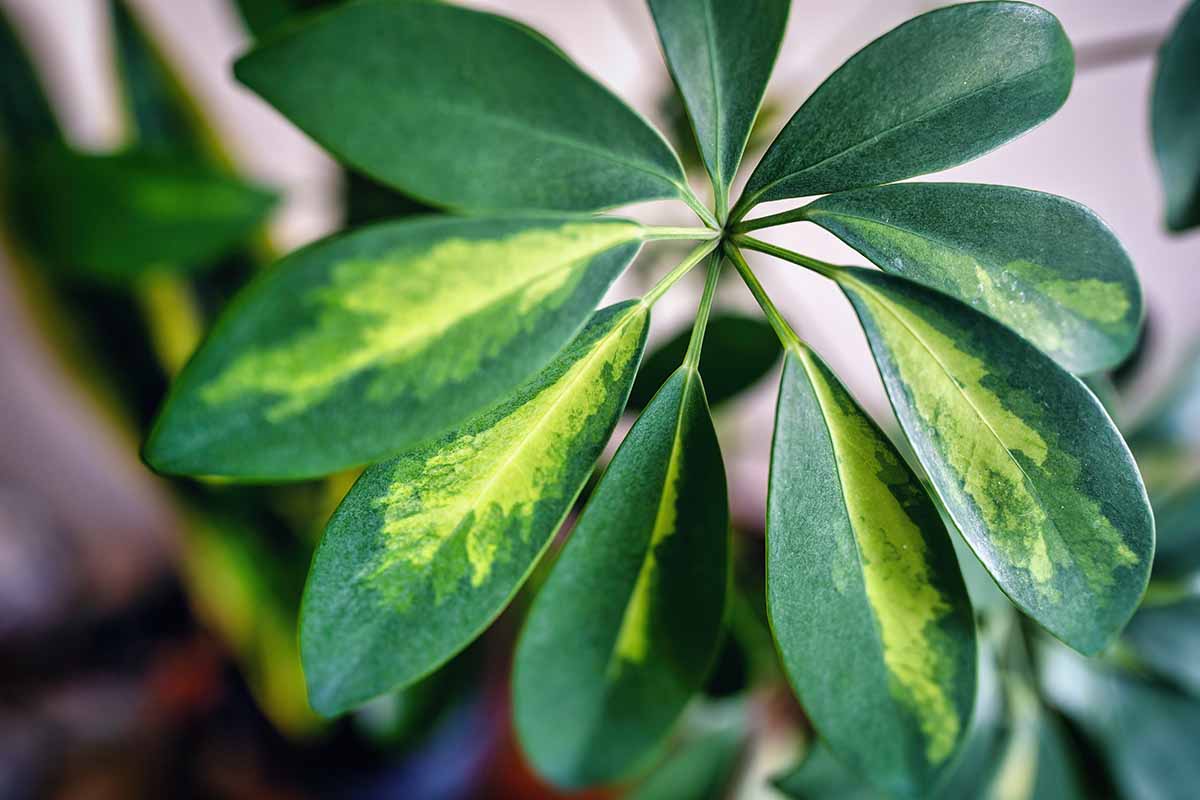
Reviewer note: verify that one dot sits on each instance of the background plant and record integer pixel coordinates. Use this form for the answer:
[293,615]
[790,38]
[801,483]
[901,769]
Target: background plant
[705,749]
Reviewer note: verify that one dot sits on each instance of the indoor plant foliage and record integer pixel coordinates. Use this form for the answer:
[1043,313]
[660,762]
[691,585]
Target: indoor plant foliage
[463,359]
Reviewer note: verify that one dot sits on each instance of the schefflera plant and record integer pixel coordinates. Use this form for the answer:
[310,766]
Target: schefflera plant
[461,358]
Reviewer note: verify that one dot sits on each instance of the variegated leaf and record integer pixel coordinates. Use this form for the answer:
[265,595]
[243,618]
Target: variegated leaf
[626,627]
[1045,266]
[428,548]
[362,345]
[864,594]
[1025,459]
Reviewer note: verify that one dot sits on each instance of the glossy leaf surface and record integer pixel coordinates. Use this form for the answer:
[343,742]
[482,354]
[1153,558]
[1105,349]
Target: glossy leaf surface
[1024,457]
[362,345]
[1045,266]
[720,53]
[939,90]
[626,627]
[113,217]
[1175,118]
[460,109]
[866,602]
[428,548]
[738,352]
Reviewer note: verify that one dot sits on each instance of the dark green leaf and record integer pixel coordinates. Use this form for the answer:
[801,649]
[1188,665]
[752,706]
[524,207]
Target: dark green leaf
[163,117]
[461,108]
[627,626]
[701,769]
[362,345]
[1177,532]
[720,53]
[1024,458]
[1043,265]
[939,90]
[1173,420]
[1166,638]
[26,117]
[428,548]
[113,217]
[1175,118]
[263,16]
[866,602]
[820,776]
[738,351]
[1147,733]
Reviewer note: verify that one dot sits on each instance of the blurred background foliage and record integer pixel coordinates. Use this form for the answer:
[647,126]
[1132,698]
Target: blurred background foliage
[189,683]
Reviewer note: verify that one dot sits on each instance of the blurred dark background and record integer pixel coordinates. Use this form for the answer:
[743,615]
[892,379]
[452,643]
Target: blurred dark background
[147,627]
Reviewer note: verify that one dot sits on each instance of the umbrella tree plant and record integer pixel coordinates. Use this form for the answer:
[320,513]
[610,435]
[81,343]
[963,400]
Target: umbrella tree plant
[461,359]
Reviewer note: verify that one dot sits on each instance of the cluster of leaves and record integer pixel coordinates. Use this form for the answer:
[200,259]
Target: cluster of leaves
[461,358]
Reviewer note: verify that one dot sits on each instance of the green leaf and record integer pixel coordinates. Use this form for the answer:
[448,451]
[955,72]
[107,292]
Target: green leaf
[427,549]
[362,345]
[1146,732]
[26,117]
[939,90]
[461,109]
[162,115]
[1166,638]
[720,53]
[1175,118]
[1177,532]
[628,624]
[866,602]
[263,16]
[111,218]
[1173,419]
[701,768]
[1025,459]
[1045,266]
[738,352]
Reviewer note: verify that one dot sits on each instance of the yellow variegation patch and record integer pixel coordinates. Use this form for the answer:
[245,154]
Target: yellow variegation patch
[896,574]
[382,311]
[479,485]
[979,435]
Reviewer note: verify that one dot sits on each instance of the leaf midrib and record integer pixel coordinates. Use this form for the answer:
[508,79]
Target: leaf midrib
[882,302]
[890,129]
[710,39]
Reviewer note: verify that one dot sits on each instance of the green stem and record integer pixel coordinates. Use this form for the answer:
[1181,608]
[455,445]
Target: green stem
[694,203]
[830,271]
[782,218]
[654,233]
[692,359]
[787,336]
[671,278]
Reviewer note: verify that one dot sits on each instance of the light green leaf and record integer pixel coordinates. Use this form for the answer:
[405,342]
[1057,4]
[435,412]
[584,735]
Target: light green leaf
[738,352]
[1045,266]
[427,549]
[939,90]
[1025,459]
[113,217]
[720,53]
[1175,118]
[866,602]
[628,624]
[461,109]
[362,345]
